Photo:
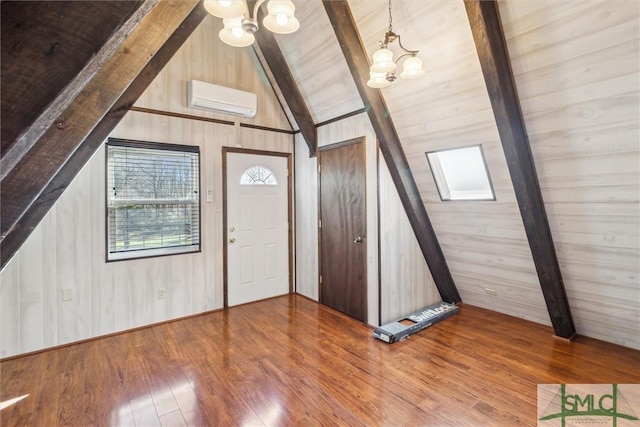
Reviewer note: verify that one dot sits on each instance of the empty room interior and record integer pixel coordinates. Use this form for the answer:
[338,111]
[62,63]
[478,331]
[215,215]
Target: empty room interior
[320,212]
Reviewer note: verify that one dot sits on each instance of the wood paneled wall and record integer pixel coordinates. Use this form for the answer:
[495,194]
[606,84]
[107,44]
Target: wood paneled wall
[67,249]
[204,57]
[577,73]
[484,243]
[322,77]
[576,66]
[306,195]
[406,284]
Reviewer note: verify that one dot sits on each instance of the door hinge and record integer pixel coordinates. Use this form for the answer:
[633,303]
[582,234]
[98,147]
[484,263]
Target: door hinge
[319,223]
[321,279]
[319,168]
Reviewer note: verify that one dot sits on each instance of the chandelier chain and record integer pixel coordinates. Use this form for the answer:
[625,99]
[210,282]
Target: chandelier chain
[390,18]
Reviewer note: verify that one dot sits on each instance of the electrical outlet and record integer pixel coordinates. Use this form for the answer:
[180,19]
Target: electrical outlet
[162,294]
[491,291]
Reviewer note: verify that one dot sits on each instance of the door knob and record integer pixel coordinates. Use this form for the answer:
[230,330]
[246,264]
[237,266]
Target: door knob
[231,240]
[357,239]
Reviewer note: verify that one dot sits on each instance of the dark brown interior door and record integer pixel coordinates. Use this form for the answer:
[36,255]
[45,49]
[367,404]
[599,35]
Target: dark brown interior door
[343,226]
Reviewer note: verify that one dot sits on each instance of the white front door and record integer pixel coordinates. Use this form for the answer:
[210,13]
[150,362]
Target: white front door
[257,227]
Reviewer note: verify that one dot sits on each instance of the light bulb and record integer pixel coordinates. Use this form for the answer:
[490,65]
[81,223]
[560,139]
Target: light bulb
[378,80]
[233,34]
[383,61]
[237,32]
[225,8]
[412,68]
[282,19]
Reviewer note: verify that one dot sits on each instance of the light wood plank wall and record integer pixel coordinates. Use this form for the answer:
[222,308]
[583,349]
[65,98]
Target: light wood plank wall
[484,243]
[313,55]
[306,176]
[67,249]
[405,282]
[204,57]
[577,70]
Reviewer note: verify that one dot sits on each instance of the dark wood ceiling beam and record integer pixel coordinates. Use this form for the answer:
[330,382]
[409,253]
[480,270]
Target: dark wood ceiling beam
[345,28]
[276,89]
[39,179]
[491,46]
[277,64]
[51,38]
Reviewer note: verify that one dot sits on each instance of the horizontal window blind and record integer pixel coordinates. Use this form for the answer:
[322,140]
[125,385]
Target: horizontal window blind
[153,199]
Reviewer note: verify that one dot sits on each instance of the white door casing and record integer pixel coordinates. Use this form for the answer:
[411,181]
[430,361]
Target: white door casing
[257,227]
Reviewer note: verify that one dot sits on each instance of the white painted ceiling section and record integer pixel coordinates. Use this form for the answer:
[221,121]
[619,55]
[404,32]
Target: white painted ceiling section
[576,69]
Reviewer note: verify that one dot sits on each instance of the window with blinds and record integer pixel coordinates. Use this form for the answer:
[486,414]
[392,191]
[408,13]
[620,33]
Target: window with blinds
[153,199]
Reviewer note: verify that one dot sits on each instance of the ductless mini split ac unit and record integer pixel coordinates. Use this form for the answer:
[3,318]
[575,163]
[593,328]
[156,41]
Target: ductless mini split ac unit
[222,99]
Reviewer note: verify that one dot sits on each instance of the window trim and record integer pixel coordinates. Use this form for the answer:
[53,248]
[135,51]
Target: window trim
[151,252]
[437,182]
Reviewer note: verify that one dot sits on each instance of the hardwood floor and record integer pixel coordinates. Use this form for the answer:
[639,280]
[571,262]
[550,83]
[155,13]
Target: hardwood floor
[291,361]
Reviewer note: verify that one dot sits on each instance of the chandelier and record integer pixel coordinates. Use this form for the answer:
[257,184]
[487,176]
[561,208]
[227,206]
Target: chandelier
[383,71]
[239,26]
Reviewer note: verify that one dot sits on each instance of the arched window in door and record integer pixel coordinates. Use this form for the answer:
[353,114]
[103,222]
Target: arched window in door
[258,175]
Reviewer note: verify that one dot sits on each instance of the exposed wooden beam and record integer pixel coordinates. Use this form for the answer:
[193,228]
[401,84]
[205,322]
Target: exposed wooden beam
[276,89]
[51,37]
[345,28]
[275,61]
[490,43]
[114,90]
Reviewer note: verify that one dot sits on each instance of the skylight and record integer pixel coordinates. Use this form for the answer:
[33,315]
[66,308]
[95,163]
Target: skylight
[461,174]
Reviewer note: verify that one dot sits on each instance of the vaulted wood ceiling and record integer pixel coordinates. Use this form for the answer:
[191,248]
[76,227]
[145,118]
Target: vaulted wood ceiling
[81,85]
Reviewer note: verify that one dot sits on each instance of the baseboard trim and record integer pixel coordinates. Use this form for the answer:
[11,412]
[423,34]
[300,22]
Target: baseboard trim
[112,334]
